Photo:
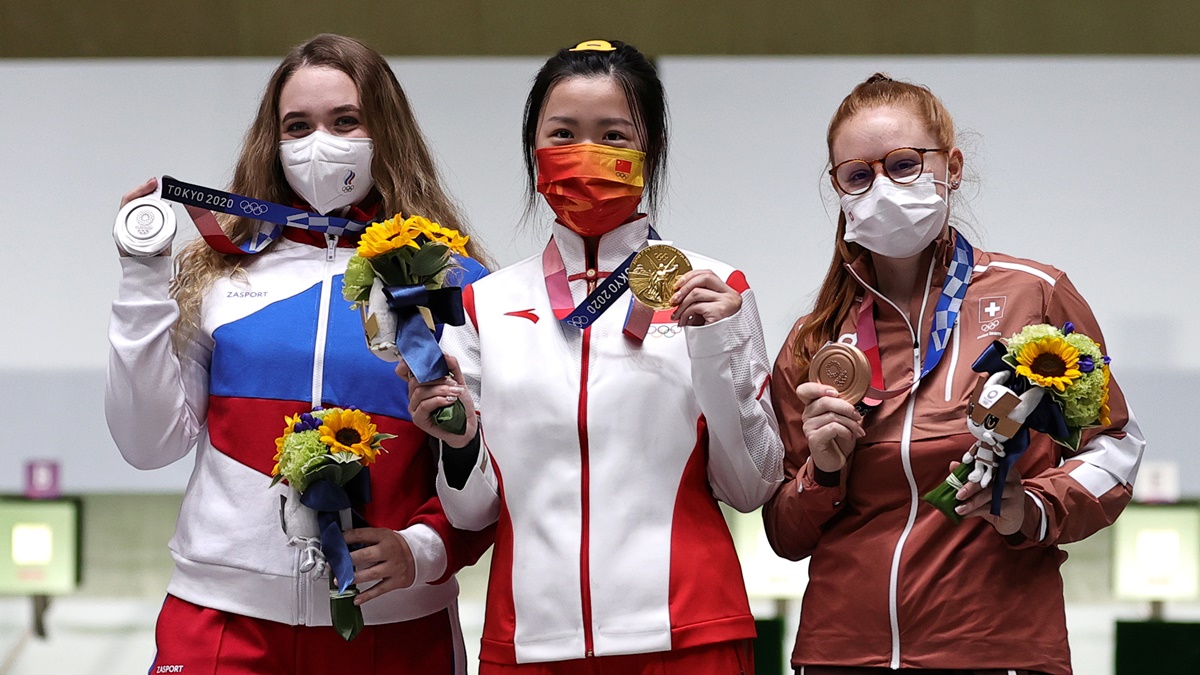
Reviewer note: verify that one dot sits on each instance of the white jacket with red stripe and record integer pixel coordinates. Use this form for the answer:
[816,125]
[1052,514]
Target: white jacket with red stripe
[603,459]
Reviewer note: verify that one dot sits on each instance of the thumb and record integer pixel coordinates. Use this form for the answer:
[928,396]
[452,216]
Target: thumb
[403,370]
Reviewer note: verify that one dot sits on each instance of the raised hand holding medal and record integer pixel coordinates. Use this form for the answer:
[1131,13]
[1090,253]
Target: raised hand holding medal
[839,376]
[664,278]
[843,367]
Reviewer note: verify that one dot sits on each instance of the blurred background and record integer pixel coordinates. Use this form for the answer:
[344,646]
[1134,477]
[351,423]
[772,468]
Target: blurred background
[1073,116]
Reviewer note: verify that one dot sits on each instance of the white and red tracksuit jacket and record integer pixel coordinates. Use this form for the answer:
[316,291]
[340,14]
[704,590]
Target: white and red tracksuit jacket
[275,340]
[892,582]
[603,459]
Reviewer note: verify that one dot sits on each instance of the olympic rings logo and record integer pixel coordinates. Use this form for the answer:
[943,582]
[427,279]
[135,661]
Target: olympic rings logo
[580,322]
[664,330]
[253,208]
[991,325]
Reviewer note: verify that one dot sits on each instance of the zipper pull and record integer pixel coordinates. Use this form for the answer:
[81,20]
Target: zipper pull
[331,241]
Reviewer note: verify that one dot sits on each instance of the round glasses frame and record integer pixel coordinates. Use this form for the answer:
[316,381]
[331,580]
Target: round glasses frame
[910,172]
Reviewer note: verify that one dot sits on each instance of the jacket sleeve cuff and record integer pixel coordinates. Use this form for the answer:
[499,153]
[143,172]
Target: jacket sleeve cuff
[1033,527]
[826,483]
[144,279]
[428,552]
[828,479]
[457,463]
[715,339]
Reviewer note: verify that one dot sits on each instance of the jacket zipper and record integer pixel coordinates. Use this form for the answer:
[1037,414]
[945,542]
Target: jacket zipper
[906,462]
[301,591]
[318,379]
[585,581]
[585,578]
[303,581]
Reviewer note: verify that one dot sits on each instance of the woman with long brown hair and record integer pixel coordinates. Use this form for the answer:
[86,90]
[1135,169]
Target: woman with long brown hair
[216,356]
[894,584]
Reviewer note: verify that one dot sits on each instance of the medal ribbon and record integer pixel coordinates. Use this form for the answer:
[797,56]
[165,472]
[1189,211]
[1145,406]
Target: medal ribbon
[598,301]
[201,201]
[945,315]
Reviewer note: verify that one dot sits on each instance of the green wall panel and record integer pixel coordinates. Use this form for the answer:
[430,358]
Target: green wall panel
[217,28]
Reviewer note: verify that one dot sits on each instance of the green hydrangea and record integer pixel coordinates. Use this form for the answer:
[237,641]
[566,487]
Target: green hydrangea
[356,284]
[1086,346]
[1081,401]
[1030,334]
[302,452]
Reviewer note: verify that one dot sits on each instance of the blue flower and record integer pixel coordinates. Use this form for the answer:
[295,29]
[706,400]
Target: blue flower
[307,423]
[1068,328]
[1086,364]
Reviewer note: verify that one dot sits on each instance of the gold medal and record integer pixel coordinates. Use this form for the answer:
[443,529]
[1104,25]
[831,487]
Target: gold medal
[843,367]
[653,272]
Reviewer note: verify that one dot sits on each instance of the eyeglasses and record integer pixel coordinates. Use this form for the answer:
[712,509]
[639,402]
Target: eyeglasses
[902,165]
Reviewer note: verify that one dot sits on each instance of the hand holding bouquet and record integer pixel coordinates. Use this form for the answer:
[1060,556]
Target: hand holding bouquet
[324,455]
[397,280]
[1057,383]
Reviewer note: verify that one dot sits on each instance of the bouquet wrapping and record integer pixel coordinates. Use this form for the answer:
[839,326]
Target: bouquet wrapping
[1073,373]
[324,456]
[397,279]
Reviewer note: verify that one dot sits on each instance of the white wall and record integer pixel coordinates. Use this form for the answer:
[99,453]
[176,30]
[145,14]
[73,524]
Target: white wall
[1084,163]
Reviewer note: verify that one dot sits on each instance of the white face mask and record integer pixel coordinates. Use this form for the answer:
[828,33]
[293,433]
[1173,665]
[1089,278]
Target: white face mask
[896,221]
[328,171]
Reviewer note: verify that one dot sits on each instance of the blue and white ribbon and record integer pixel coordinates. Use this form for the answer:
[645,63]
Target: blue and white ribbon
[270,213]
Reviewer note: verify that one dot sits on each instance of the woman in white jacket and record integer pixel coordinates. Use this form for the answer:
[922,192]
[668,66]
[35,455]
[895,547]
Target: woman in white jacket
[607,431]
[215,357]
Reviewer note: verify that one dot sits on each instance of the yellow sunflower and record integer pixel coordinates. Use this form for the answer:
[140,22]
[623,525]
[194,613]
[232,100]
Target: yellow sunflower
[385,236]
[289,423]
[456,242]
[1105,412]
[349,431]
[1049,362]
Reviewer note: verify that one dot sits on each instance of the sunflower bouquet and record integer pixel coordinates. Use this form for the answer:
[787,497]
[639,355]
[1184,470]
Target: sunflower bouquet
[1071,367]
[324,456]
[397,280]
[1072,372]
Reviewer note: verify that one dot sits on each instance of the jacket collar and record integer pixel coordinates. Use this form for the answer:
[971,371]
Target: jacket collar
[366,211]
[614,247]
[863,269]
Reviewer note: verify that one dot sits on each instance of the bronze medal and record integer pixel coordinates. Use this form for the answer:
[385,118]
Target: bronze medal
[653,272]
[843,367]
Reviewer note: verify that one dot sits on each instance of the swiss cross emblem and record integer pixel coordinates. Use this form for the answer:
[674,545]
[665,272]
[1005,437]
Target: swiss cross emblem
[991,309]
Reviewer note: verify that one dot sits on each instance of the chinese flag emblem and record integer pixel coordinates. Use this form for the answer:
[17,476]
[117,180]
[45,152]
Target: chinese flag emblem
[624,166]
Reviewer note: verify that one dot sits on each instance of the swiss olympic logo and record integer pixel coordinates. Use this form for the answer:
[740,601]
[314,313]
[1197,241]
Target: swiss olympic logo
[253,208]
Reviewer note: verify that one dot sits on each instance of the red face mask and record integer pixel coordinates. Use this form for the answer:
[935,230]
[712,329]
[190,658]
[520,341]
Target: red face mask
[591,188]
